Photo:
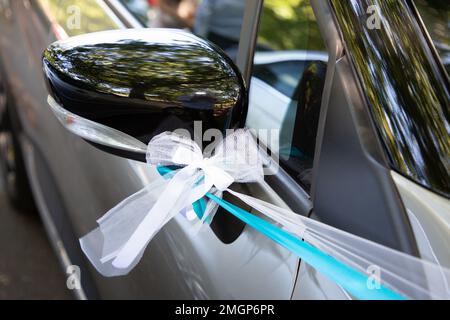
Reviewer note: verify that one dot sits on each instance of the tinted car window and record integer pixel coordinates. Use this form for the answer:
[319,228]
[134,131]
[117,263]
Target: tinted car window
[406,95]
[288,78]
[436,17]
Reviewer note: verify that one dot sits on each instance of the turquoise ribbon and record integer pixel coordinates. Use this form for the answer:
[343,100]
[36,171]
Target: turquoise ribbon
[198,206]
[353,281]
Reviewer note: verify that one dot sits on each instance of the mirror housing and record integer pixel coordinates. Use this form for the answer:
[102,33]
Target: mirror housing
[118,89]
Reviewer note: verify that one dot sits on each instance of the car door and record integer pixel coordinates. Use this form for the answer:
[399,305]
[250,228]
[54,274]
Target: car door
[225,261]
[260,269]
[333,166]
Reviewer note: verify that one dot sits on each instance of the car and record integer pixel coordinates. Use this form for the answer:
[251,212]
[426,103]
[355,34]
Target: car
[362,111]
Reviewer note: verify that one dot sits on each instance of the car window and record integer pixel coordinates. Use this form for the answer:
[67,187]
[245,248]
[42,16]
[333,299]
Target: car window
[219,21]
[288,77]
[72,17]
[436,17]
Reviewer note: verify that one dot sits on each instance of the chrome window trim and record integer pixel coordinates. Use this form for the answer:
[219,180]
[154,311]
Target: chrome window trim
[110,13]
[123,14]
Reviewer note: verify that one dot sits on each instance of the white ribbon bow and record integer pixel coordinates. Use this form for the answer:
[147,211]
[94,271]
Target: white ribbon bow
[117,245]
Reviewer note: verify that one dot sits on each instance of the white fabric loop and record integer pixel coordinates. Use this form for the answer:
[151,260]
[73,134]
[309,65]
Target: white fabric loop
[122,248]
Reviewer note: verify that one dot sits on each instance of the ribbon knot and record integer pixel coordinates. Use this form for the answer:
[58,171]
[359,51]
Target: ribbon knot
[214,175]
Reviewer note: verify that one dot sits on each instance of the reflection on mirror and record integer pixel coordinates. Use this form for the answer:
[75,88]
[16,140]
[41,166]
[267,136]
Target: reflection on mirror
[144,82]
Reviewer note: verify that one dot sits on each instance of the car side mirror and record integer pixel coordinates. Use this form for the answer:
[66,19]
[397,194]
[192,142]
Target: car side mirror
[118,89]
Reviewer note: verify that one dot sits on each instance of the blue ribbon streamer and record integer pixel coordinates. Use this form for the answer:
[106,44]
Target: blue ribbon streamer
[353,281]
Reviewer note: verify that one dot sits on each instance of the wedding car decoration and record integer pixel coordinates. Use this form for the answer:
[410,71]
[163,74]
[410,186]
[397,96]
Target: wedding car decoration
[192,182]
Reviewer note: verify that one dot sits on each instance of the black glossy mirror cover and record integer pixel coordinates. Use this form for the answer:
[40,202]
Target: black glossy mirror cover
[146,81]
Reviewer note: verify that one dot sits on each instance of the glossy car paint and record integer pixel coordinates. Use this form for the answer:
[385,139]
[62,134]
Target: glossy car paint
[143,82]
[429,216]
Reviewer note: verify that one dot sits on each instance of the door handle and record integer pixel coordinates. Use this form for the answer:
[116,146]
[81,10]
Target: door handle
[226,226]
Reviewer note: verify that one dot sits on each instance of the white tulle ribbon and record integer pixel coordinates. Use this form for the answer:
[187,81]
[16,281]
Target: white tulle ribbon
[117,245]
[413,277]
